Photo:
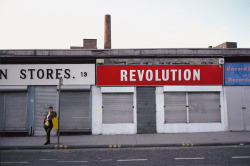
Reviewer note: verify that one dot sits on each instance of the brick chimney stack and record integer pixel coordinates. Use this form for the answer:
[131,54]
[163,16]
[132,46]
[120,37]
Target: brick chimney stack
[107,32]
[227,45]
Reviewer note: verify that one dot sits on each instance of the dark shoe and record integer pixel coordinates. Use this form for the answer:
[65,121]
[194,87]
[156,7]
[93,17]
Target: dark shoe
[46,143]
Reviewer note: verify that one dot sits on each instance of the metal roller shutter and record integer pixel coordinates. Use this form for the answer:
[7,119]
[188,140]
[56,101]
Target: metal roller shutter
[175,107]
[146,110]
[1,111]
[45,96]
[204,107]
[15,111]
[117,108]
[75,110]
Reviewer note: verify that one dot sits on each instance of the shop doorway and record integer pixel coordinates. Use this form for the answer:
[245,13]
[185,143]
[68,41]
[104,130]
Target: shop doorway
[238,108]
[146,110]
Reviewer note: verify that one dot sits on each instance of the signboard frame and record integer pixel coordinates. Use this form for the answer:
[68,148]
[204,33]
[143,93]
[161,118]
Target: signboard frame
[47,74]
[237,74]
[120,75]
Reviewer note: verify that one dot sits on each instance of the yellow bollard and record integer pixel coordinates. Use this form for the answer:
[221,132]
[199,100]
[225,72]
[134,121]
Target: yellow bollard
[55,123]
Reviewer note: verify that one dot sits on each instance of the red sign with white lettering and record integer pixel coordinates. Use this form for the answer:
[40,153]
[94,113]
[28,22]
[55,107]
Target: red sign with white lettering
[128,75]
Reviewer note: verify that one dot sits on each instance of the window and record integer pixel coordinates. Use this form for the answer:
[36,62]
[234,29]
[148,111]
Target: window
[175,108]
[117,108]
[13,111]
[75,110]
[192,107]
[204,107]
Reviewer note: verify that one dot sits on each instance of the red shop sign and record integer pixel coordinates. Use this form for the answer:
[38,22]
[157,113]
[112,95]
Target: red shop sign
[124,75]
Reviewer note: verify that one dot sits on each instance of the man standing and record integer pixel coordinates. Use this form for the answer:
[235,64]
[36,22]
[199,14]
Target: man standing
[48,123]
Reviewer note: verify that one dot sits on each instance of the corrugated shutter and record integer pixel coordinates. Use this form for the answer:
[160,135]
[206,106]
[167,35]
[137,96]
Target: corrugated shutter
[146,110]
[15,111]
[1,110]
[204,107]
[45,96]
[75,110]
[117,108]
[175,107]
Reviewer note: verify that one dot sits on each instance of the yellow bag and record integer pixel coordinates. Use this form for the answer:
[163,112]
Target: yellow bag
[55,123]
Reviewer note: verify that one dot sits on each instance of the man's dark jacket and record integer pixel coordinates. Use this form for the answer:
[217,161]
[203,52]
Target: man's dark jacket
[51,116]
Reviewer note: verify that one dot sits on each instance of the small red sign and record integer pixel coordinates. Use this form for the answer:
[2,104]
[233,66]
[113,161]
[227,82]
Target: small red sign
[139,75]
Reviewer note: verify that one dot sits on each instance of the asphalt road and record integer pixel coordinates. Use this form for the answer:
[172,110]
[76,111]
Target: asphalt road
[217,155]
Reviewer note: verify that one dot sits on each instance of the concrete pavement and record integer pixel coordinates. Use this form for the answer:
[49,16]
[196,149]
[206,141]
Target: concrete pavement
[134,140]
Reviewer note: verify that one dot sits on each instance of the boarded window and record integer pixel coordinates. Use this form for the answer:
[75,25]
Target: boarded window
[117,108]
[75,110]
[1,111]
[204,107]
[13,111]
[192,107]
[175,108]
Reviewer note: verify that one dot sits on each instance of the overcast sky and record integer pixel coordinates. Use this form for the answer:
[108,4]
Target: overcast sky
[59,24]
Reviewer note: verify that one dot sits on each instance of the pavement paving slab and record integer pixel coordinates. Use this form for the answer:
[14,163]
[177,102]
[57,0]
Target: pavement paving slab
[160,139]
[133,140]
[126,139]
[107,140]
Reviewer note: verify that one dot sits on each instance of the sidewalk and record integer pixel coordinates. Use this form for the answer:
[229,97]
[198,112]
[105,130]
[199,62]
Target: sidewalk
[124,141]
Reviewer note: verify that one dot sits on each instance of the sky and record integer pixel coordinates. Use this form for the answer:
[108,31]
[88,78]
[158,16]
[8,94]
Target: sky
[59,24]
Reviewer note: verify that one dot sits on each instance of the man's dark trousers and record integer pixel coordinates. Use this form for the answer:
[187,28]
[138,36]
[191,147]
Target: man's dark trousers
[48,129]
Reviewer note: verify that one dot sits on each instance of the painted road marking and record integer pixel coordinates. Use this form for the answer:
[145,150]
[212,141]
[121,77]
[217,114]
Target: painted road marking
[195,158]
[133,160]
[106,160]
[47,159]
[240,157]
[72,161]
[47,151]
[20,162]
